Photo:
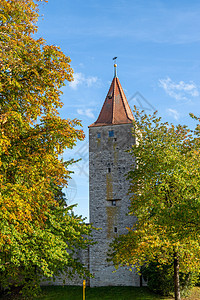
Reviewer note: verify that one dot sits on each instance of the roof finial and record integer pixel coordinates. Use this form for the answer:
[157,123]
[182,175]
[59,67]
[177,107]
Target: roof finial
[115,67]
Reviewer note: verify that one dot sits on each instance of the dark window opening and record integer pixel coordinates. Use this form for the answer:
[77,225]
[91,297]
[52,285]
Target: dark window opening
[98,135]
[109,170]
[115,229]
[110,95]
[113,203]
[115,139]
[111,133]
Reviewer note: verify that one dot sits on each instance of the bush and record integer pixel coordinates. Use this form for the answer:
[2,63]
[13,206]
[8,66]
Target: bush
[160,279]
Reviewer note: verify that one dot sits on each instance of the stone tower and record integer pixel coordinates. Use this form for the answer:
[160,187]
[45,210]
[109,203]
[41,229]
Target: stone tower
[109,138]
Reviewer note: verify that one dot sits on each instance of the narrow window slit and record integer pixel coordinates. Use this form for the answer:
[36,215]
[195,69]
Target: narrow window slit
[113,203]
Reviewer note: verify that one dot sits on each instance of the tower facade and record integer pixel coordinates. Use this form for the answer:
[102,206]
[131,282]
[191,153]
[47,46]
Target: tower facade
[109,138]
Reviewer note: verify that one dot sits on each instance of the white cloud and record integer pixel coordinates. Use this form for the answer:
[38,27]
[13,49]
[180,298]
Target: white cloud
[80,78]
[86,112]
[180,90]
[174,113]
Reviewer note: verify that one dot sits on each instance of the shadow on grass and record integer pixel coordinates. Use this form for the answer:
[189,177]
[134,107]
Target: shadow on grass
[99,293]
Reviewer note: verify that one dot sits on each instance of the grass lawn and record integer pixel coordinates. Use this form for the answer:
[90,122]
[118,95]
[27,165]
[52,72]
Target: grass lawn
[106,293]
[100,293]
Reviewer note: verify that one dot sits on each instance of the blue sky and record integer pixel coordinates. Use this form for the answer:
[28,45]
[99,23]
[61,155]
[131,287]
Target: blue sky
[158,48]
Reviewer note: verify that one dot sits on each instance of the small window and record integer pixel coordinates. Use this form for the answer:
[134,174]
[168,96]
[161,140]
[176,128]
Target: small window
[110,95]
[111,133]
[115,229]
[98,135]
[115,139]
[113,203]
[109,170]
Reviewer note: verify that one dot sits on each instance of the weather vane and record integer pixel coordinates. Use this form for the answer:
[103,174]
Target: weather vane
[115,66]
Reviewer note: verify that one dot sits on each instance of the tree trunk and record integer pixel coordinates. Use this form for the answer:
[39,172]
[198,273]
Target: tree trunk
[176,277]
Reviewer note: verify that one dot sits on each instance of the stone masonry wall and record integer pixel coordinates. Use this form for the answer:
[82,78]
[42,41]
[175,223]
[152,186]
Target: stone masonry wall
[108,164]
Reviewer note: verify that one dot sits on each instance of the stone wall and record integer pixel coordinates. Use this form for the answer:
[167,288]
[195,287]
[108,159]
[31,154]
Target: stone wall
[108,164]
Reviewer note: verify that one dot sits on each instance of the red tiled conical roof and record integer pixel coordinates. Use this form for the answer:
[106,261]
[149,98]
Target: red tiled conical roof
[116,109]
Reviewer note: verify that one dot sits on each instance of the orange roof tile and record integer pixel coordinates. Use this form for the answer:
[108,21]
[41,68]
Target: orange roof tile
[116,109]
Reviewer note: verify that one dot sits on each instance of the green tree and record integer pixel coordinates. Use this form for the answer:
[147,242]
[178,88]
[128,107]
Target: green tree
[165,198]
[38,234]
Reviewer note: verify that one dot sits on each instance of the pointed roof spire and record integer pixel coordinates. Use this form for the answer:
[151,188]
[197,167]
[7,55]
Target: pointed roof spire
[116,109]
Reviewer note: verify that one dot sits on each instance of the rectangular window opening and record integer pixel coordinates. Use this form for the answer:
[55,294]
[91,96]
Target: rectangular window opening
[114,203]
[115,229]
[109,170]
[111,133]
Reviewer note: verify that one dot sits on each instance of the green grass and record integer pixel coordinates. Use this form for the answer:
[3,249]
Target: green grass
[100,293]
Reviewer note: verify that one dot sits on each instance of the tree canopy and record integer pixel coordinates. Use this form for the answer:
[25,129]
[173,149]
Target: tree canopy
[165,197]
[38,233]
